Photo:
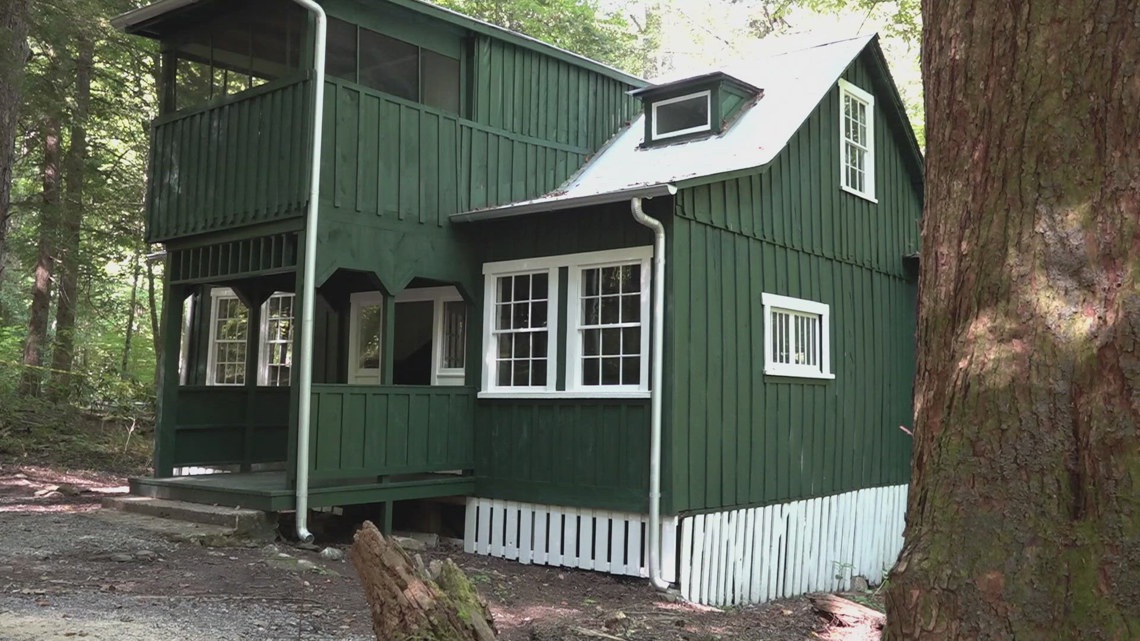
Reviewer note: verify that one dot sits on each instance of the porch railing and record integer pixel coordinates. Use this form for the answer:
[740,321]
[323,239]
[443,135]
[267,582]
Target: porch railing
[230,425]
[368,430]
[231,163]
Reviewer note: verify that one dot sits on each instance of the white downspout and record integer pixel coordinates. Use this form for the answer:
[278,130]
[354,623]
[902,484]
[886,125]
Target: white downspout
[309,286]
[658,365]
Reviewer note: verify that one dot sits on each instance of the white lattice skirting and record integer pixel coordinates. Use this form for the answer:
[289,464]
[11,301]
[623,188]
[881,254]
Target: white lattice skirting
[613,542]
[755,555]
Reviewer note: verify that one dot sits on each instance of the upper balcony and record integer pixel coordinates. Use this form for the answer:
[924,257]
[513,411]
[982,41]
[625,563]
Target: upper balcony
[230,148]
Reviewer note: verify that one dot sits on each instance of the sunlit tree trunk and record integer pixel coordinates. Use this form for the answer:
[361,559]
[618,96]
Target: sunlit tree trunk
[132,312]
[40,306]
[63,349]
[13,55]
[1024,514]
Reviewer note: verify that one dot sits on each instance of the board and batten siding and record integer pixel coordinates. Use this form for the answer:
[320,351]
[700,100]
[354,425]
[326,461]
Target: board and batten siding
[527,93]
[737,437]
[576,452]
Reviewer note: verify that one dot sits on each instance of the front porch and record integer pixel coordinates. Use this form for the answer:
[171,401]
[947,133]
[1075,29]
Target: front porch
[272,491]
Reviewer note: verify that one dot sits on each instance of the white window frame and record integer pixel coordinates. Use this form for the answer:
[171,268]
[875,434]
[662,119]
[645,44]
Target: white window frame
[797,306]
[262,355]
[574,350]
[439,296]
[848,90]
[706,94]
[364,375]
[551,265]
[491,274]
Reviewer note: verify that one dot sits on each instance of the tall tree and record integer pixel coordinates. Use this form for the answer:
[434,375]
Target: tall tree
[62,354]
[581,26]
[13,56]
[1024,513]
[39,309]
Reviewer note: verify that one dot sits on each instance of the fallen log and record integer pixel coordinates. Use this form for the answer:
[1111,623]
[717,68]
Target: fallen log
[846,612]
[406,604]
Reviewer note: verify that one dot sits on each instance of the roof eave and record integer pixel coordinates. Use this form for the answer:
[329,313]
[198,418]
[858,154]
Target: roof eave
[548,206]
[128,21]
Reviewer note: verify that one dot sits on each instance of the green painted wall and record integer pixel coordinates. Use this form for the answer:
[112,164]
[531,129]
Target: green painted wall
[736,437]
[591,453]
[233,163]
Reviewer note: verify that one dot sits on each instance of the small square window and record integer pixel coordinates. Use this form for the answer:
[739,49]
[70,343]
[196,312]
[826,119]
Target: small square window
[796,337]
[682,115]
[857,140]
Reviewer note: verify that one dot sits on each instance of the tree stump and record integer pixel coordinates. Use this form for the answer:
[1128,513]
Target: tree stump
[406,604]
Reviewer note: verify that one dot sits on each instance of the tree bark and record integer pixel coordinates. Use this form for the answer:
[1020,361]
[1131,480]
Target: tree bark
[40,306]
[13,57]
[1024,513]
[406,604]
[63,349]
[132,311]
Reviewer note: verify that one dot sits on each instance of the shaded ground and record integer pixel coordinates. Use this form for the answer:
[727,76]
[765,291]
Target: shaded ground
[67,572]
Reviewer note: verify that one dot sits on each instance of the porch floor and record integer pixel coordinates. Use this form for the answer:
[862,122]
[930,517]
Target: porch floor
[271,492]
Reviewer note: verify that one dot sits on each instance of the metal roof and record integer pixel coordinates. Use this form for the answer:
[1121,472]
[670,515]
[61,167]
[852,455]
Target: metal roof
[794,82]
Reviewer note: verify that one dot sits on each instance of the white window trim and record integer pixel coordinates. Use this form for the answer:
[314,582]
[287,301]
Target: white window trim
[357,301]
[438,296]
[550,265]
[635,256]
[262,343]
[707,94]
[848,89]
[491,272]
[786,303]
[440,376]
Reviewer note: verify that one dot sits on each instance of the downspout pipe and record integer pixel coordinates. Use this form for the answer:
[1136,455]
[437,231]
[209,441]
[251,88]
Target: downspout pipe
[309,285]
[658,366]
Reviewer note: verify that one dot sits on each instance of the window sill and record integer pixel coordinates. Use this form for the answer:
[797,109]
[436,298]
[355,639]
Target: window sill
[855,192]
[778,373]
[562,394]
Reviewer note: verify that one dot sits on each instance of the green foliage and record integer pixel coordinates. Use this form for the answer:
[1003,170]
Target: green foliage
[902,17]
[36,432]
[580,26]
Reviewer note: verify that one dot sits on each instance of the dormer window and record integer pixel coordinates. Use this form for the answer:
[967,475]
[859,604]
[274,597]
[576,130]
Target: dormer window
[693,108]
[682,115]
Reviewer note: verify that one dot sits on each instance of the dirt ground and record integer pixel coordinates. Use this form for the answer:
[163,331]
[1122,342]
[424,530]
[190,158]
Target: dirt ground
[68,572]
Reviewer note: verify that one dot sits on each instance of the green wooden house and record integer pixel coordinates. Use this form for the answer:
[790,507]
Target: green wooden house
[661,330]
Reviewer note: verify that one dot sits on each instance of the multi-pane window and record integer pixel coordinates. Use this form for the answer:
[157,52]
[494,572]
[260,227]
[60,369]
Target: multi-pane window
[277,340]
[454,347]
[796,337]
[230,322]
[604,349]
[521,332]
[393,66]
[229,331]
[857,155]
[610,326]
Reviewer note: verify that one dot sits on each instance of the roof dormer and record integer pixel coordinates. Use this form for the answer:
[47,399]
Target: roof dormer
[693,108]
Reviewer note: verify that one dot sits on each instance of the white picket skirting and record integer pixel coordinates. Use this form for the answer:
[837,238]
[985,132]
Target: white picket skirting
[598,540]
[758,554]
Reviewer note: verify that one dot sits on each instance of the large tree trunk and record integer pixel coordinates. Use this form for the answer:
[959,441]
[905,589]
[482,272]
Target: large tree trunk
[40,306]
[13,57]
[1024,513]
[406,604]
[63,349]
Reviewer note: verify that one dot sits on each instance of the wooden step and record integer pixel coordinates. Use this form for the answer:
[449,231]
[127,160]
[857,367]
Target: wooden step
[239,521]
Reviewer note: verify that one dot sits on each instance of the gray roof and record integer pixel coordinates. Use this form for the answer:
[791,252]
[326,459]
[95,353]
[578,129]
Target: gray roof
[794,82]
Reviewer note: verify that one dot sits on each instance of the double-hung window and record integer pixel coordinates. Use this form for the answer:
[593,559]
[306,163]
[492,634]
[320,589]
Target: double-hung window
[229,330]
[604,350]
[608,340]
[857,140]
[796,337]
[520,330]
